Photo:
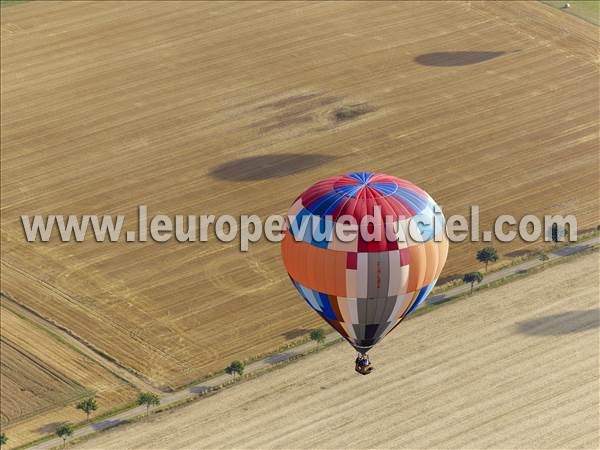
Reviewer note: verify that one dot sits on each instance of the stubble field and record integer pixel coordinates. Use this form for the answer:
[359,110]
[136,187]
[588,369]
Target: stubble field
[225,108]
[43,378]
[512,367]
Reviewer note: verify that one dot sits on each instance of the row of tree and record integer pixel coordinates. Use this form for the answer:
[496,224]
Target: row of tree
[490,254]
[486,255]
[237,367]
[88,406]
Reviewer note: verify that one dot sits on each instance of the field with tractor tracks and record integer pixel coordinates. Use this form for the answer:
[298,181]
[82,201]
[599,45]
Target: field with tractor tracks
[233,108]
[43,378]
[511,367]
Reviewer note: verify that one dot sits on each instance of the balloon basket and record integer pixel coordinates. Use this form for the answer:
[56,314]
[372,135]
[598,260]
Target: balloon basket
[362,365]
[364,370]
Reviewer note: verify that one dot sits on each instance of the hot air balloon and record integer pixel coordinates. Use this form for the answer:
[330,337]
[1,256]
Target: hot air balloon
[365,286]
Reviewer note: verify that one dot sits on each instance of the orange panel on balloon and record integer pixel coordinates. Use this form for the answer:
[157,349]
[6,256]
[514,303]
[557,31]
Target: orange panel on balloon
[322,269]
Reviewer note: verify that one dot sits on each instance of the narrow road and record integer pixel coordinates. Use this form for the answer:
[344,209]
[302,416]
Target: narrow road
[201,388]
[187,393]
[512,270]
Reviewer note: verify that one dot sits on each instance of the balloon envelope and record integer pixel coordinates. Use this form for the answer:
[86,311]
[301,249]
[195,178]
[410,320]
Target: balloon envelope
[364,286]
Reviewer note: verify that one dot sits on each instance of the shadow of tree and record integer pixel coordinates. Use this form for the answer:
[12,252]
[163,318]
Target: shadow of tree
[293,334]
[566,251]
[279,357]
[108,423]
[448,279]
[448,59]
[437,299]
[200,389]
[263,167]
[559,324]
[49,427]
[519,253]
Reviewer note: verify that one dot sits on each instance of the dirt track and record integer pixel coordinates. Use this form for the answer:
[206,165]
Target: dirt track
[512,367]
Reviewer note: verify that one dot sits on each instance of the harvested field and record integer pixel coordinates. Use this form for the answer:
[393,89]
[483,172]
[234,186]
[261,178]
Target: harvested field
[42,379]
[225,108]
[512,367]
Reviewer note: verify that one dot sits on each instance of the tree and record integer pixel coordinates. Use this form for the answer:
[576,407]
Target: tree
[567,233]
[318,335]
[148,399]
[235,367]
[487,255]
[3,439]
[64,432]
[473,277]
[560,233]
[88,406]
[555,233]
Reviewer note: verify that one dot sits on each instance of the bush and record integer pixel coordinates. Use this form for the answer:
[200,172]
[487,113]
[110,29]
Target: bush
[350,111]
[471,278]
[318,335]
[236,367]
[88,406]
[148,399]
[65,431]
[487,255]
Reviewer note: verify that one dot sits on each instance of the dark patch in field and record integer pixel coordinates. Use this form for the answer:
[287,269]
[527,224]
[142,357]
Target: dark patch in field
[307,112]
[295,110]
[263,167]
[559,324]
[294,334]
[348,112]
[288,101]
[327,101]
[284,122]
[447,59]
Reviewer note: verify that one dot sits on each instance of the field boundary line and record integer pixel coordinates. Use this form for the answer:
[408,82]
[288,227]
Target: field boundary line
[94,313]
[74,342]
